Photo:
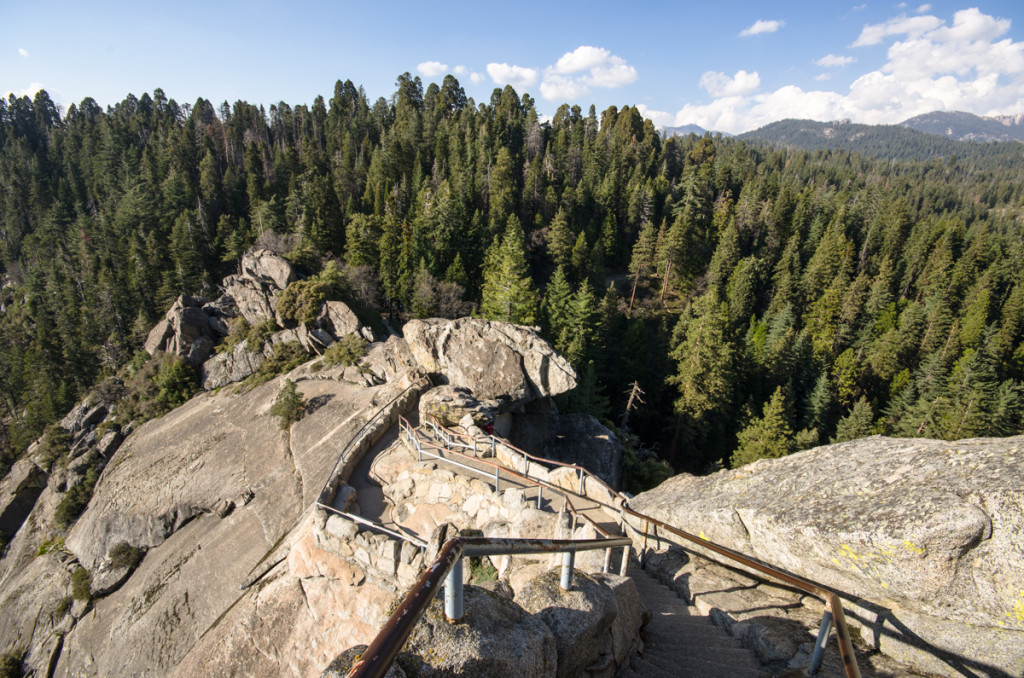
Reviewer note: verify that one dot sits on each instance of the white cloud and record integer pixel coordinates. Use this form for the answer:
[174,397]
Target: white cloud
[517,76]
[459,70]
[432,69]
[659,118]
[577,71]
[968,64]
[873,34]
[762,26]
[859,8]
[834,61]
[721,85]
[582,58]
[924,8]
[477,78]
[822,76]
[23,52]
[557,87]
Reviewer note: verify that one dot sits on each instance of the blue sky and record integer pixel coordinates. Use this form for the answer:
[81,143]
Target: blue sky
[729,66]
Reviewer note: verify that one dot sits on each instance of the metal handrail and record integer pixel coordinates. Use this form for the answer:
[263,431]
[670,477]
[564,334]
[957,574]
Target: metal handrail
[358,436]
[416,541]
[539,483]
[379,656]
[834,609]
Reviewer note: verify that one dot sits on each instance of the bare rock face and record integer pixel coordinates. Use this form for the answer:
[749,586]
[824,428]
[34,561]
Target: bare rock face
[496,638]
[926,534]
[216,584]
[255,290]
[18,493]
[187,330]
[581,618]
[338,320]
[449,405]
[496,361]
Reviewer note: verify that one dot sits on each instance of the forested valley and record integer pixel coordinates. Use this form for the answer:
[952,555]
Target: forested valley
[753,301]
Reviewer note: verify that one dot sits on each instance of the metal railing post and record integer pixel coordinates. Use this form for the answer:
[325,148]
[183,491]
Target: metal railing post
[581,482]
[496,479]
[821,642]
[540,495]
[607,561]
[625,561]
[453,592]
[493,451]
[568,560]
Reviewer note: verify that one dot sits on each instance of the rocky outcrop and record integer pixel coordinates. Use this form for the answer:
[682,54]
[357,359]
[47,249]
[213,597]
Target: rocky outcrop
[191,328]
[496,638]
[510,364]
[580,619]
[450,405]
[571,438]
[922,538]
[18,493]
[264,274]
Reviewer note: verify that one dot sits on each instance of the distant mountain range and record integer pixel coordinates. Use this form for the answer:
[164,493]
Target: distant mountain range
[932,135]
[683,130]
[969,127]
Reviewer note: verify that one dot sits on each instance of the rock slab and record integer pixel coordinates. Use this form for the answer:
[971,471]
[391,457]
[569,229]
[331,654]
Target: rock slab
[923,535]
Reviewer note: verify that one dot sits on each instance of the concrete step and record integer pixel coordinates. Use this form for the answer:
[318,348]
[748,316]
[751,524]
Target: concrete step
[685,666]
[681,642]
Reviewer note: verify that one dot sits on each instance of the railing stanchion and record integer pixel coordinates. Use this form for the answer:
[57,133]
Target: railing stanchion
[607,561]
[625,561]
[496,479]
[581,482]
[821,642]
[453,592]
[568,560]
[540,495]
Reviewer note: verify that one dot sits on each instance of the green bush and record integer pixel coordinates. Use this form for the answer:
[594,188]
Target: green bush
[289,406]
[75,501]
[286,356]
[11,664]
[346,351]
[81,584]
[63,607]
[53,446]
[124,554]
[176,382]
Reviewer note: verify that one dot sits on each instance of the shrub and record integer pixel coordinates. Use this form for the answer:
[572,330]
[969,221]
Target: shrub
[289,406]
[11,664]
[177,381]
[81,584]
[346,351]
[75,501]
[124,554]
[62,607]
[54,445]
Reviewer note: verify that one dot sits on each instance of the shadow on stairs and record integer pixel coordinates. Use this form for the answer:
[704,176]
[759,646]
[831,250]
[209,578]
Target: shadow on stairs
[681,643]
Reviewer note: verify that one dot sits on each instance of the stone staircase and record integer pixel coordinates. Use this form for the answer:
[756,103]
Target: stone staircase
[680,643]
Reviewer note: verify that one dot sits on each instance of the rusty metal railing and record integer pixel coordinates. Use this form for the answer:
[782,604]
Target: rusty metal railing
[832,616]
[447,567]
[423,447]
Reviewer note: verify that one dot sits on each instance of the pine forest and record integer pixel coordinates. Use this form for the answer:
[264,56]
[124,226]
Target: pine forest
[722,300]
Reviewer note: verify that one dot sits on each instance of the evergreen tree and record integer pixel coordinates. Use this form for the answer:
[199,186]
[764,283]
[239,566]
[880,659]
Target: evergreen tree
[767,437]
[508,292]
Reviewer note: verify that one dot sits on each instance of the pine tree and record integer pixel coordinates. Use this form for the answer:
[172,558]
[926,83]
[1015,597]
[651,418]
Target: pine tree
[508,294]
[767,437]
[857,423]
